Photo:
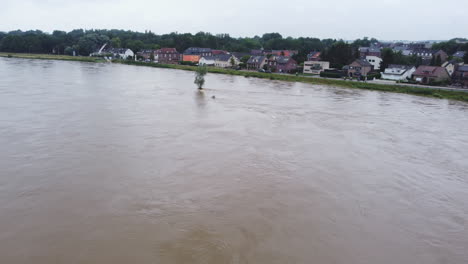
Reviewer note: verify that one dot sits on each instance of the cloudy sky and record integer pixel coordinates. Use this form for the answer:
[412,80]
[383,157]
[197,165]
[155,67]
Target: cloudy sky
[383,19]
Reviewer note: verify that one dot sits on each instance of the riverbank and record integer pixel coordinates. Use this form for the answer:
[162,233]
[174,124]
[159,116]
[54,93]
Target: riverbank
[421,91]
[50,57]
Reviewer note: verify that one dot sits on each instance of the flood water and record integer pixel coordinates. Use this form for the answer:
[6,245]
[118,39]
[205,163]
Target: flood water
[103,163]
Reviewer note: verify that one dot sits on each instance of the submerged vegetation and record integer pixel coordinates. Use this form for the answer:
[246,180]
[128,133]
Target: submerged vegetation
[429,92]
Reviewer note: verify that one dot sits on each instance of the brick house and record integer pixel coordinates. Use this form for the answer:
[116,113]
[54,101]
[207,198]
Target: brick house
[145,54]
[428,74]
[443,55]
[358,68]
[167,56]
[285,64]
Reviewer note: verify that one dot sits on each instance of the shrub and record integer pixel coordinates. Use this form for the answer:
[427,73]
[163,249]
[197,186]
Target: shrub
[189,63]
[374,75]
[330,75]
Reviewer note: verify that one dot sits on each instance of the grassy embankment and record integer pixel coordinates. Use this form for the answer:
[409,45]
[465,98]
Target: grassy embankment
[428,92]
[50,57]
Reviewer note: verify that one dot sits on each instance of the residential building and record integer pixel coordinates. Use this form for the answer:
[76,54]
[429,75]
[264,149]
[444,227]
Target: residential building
[239,55]
[423,53]
[146,54]
[314,56]
[375,61]
[358,68]
[369,51]
[271,63]
[460,75]
[427,55]
[398,72]
[443,55]
[207,61]
[226,61]
[418,46]
[221,61]
[450,66]
[429,74]
[285,64]
[120,53]
[316,67]
[403,48]
[256,62]
[167,56]
[202,52]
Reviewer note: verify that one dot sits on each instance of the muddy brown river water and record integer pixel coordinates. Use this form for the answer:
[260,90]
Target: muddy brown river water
[103,163]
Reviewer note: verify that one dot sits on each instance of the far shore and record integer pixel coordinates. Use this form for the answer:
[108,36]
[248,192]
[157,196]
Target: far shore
[407,89]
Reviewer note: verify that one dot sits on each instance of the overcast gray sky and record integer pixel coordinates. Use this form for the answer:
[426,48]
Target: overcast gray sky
[347,19]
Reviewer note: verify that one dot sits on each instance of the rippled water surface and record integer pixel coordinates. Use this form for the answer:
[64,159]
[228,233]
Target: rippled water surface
[104,163]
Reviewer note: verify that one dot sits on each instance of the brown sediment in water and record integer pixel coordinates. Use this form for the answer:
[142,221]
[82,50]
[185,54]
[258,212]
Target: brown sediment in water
[107,163]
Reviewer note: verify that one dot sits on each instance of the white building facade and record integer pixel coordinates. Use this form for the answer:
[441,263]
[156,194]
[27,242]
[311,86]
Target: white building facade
[374,61]
[315,67]
[398,72]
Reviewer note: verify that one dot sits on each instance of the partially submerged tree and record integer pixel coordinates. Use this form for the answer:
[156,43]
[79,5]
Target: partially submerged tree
[200,76]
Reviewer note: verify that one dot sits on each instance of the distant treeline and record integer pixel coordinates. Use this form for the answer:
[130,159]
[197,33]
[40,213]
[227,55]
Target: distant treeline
[452,46]
[84,42]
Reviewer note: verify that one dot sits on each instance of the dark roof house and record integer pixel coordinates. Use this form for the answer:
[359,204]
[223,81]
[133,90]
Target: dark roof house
[369,51]
[198,51]
[256,62]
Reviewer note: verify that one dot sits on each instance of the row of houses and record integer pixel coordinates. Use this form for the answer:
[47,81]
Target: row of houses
[370,60]
[281,61]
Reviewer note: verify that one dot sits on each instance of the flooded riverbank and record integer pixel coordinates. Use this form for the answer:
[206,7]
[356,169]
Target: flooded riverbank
[122,164]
